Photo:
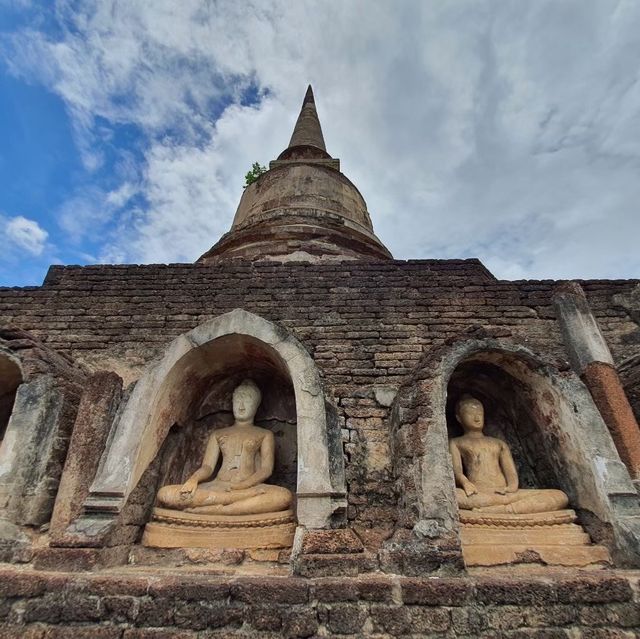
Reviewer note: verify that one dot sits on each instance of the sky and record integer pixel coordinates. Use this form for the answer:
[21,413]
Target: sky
[507,131]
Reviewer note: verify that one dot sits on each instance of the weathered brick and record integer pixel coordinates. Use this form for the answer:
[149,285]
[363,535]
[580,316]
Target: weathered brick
[594,589]
[345,619]
[330,589]
[190,588]
[299,622]
[515,591]
[436,592]
[427,619]
[289,590]
[395,620]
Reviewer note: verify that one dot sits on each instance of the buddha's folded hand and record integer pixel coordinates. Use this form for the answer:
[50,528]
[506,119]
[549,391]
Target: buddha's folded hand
[469,489]
[188,488]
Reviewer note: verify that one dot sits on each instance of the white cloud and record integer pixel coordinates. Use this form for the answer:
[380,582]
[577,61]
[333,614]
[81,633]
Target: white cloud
[507,131]
[26,234]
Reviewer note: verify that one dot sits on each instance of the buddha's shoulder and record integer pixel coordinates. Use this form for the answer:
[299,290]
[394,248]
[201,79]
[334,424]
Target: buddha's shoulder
[464,441]
[495,441]
[234,430]
[265,432]
[220,432]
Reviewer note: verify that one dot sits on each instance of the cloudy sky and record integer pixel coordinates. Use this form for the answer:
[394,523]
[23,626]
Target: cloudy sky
[504,130]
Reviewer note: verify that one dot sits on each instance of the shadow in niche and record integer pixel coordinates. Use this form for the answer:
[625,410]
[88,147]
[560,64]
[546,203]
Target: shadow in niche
[508,416]
[10,379]
[211,409]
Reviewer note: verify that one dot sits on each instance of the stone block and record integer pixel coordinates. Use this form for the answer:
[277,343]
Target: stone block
[419,558]
[334,589]
[21,584]
[78,607]
[395,620]
[491,591]
[157,611]
[12,631]
[190,588]
[104,584]
[96,411]
[199,615]
[33,451]
[289,590]
[550,615]
[427,620]
[594,589]
[80,559]
[46,609]
[263,618]
[299,623]
[120,609]
[345,619]
[436,592]
[379,588]
[343,564]
[331,542]
[158,633]
[83,632]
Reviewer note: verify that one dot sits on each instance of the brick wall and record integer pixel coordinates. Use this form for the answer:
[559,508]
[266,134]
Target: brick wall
[362,322]
[365,324]
[144,606]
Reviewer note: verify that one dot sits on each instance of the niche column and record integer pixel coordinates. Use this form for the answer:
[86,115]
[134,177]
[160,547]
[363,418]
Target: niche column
[591,359]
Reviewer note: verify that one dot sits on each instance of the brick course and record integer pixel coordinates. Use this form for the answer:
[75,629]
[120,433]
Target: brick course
[564,604]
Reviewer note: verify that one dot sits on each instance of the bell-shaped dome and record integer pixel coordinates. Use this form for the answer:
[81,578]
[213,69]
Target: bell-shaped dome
[303,208]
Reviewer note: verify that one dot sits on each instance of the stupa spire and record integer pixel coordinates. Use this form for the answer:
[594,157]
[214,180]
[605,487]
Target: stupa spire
[308,130]
[307,139]
[303,208]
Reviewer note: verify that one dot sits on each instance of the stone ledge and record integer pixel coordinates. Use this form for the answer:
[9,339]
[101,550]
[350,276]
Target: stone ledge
[519,587]
[133,604]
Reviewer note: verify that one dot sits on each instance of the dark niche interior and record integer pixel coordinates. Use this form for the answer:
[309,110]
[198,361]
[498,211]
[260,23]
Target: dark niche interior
[10,379]
[508,416]
[210,408]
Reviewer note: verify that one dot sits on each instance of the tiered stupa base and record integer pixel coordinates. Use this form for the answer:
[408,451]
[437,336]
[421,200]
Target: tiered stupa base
[179,529]
[552,538]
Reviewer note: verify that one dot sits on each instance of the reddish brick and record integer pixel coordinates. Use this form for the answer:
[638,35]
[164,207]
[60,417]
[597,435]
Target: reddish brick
[594,589]
[289,590]
[190,588]
[439,591]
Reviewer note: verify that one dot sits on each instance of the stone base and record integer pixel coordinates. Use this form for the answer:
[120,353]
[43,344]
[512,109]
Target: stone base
[551,539]
[509,520]
[175,529]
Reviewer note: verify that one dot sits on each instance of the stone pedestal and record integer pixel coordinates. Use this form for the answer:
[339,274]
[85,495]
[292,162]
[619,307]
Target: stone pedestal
[176,529]
[553,538]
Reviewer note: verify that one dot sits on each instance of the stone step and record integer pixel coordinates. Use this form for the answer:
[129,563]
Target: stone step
[565,535]
[491,554]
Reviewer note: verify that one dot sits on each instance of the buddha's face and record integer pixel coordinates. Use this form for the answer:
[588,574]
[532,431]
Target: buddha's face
[246,400]
[470,414]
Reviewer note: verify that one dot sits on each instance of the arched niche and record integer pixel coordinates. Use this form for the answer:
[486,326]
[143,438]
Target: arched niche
[10,379]
[205,405]
[548,417]
[511,414]
[211,359]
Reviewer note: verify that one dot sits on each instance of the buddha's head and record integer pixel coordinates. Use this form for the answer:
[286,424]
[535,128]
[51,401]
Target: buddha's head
[246,399]
[470,414]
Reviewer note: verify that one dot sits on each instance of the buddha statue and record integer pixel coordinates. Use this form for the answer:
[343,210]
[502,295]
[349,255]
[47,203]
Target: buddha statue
[485,473]
[248,455]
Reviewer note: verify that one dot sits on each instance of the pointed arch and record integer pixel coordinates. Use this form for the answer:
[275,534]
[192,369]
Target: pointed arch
[576,440]
[158,397]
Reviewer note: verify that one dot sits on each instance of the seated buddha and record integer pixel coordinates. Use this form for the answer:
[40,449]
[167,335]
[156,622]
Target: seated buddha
[485,473]
[248,455]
